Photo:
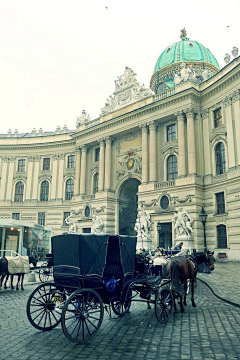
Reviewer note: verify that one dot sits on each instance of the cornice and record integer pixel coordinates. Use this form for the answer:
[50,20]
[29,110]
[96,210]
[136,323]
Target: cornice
[17,147]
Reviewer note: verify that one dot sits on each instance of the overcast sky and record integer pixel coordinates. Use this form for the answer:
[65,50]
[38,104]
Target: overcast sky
[59,57]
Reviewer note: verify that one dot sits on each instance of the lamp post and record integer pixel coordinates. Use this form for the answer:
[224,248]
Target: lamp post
[203,217]
[159,227]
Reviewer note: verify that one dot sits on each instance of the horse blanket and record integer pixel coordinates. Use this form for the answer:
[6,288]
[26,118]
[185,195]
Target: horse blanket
[18,264]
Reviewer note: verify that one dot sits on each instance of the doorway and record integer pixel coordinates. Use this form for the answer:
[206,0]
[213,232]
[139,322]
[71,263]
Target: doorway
[128,207]
[165,235]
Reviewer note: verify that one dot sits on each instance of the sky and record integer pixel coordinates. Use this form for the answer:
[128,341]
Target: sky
[59,57]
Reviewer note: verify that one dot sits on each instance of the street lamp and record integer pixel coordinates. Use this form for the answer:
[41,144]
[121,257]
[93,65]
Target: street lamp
[159,227]
[203,217]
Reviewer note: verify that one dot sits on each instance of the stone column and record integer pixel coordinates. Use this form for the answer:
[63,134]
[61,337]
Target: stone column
[35,188]
[206,142]
[83,171]
[4,177]
[152,152]
[108,164]
[101,165]
[54,177]
[191,142]
[236,111]
[77,172]
[144,153]
[60,176]
[181,145]
[29,178]
[11,164]
[229,125]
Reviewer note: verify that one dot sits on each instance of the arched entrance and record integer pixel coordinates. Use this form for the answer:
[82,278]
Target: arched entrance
[128,204]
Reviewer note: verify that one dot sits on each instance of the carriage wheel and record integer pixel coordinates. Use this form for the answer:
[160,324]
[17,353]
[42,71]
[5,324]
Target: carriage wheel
[163,304]
[122,309]
[44,307]
[82,315]
[45,272]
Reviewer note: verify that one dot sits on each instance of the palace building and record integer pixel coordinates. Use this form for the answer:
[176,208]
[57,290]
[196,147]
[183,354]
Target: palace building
[174,144]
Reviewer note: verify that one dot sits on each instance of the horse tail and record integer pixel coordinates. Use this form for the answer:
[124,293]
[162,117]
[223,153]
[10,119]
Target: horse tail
[175,274]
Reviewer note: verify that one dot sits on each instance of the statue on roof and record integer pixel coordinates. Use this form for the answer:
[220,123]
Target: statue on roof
[183,35]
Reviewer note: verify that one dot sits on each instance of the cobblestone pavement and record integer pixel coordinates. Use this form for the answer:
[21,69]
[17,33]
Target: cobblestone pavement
[209,331]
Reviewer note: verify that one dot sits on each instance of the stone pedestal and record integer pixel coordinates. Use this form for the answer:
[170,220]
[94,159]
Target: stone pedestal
[187,241]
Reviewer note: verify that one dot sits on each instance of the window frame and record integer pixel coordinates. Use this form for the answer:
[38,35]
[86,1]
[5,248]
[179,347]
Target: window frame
[46,164]
[171,135]
[69,194]
[43,197]
[220,159]
[219,227]
[18,197]
[220,203]
[95,182]
[217,122]
[21,165]
[173,173]
[71,161]
[97,154]
[42,219]
[16,217]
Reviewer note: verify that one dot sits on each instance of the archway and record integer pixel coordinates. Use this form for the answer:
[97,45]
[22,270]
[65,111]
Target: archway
[128,204]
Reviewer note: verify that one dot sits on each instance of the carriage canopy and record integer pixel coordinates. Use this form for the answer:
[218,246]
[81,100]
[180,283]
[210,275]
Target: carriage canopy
[91,252]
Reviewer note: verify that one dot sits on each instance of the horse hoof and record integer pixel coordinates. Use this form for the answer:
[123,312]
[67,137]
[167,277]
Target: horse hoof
[17,288]
[194,305]
[149,307]
[22,288]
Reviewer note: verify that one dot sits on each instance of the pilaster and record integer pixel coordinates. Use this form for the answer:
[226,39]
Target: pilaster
[236,111]
[108,164]
[83,170]
[144,153]
[152,152]
[60,176]
[101,164]
[35,178]
[206,141]
[191,142]
[29,178]
[77,171]
[227,102]
[181,144]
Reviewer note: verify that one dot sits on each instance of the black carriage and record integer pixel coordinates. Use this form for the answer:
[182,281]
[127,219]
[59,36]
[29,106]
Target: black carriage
[92,272]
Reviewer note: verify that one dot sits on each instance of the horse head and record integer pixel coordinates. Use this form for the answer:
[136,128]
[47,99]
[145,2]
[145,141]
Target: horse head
[210,260]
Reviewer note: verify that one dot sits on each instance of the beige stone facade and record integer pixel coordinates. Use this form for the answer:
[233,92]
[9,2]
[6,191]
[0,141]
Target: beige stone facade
[107,165]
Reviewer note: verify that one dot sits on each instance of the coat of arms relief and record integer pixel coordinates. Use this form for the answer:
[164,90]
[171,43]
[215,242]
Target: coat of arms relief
[130,162]
[127,91]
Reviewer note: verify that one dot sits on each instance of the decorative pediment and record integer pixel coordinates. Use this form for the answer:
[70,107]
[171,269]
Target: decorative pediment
[170,150]
[127,91]
[219,136]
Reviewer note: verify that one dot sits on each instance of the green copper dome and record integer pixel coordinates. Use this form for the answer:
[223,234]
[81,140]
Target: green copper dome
[184,51]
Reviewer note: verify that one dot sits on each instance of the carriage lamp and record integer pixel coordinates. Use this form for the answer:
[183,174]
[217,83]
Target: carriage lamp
[159,227]
[203,217]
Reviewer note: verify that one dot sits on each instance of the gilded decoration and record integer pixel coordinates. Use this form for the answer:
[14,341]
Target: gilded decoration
[131,161]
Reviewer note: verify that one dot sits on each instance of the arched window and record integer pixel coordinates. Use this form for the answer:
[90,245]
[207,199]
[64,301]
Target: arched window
[220,159]
[221,237]
[172,171]
[19,188]
[69,189]
[95,183]
[44,191]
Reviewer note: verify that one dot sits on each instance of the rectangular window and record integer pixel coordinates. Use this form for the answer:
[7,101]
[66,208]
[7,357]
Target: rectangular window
[221,237]
[65,215]
[97,154]
[220,202]
[16,216]
[171,132]
[41,218]
[21,165]
[217,115]
[46,164]
[71,162]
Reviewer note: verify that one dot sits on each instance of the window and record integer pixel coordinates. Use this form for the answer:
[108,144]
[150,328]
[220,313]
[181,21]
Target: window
[69,189]
[97,154]
[164,202]
[71,162]
[21,165]
[87,211]
[221,237]
[220,159]
[172,171]
[95,183]
[65,216]
[44,191]
[16,216]
[19,188]
[220,201]
[217,115]
[41,218]
[171,132]
[46,164]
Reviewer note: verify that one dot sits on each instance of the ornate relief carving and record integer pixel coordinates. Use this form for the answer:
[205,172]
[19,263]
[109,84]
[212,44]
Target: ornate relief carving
[69,174]
[127,91]
[130,137]
[181,201]
[236,95]
[9,159]
[218,136]
[130,162]
[44,177]
[88,197]
[170,151]
[189,112]
[83,119]
[58,156]
[219,178]
[20,177]
[227,101]
[152,203]
[205,113]
[98,210]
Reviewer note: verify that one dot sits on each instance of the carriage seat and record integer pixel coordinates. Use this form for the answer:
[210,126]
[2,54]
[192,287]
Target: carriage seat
[148,279]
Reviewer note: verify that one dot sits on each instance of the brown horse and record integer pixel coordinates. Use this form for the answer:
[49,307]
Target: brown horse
[182,269]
